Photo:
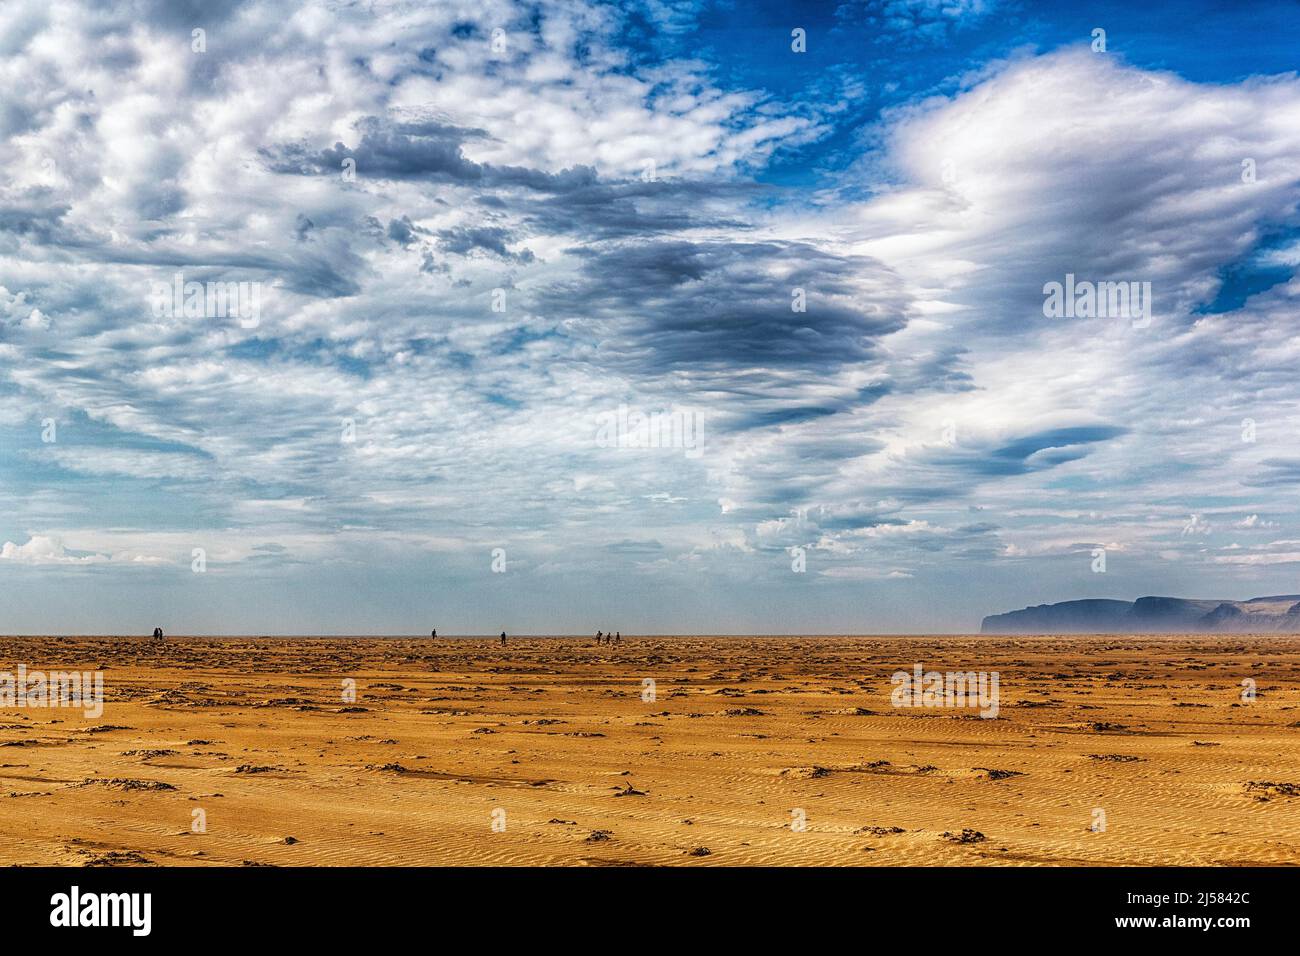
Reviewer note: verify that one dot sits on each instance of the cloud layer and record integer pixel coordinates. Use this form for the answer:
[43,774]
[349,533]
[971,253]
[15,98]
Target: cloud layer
[477,232]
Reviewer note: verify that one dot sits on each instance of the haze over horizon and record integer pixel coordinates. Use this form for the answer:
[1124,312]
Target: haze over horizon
[482,239]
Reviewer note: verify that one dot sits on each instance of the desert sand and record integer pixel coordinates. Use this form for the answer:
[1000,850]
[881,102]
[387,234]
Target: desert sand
[753,751]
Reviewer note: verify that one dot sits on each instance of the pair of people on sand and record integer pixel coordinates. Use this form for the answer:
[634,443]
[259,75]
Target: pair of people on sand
[434,634]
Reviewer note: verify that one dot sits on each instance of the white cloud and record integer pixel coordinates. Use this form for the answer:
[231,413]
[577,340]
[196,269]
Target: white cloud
[42,549]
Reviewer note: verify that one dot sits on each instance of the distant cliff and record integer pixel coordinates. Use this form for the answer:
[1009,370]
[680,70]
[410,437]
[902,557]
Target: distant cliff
[1150,615]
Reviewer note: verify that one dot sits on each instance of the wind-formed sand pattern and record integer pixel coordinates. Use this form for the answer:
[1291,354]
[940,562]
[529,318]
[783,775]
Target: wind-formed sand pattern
[659,751]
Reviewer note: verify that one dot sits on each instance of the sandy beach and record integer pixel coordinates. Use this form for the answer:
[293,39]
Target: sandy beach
[659,751]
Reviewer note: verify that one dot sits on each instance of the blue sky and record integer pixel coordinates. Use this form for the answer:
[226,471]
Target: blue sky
[475,238]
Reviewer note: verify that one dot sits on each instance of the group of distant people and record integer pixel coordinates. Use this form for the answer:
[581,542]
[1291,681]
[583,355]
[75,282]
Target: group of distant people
[434,634]
[615,637]
[601,637]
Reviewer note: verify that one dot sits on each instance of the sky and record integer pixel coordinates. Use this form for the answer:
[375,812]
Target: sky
[665,317]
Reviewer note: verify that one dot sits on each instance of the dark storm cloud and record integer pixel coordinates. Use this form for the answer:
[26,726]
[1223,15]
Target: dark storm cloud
[463,240]
[1035,451]
[1022,449]
[403,231]
[721,305]
[32,219]
[430,152]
